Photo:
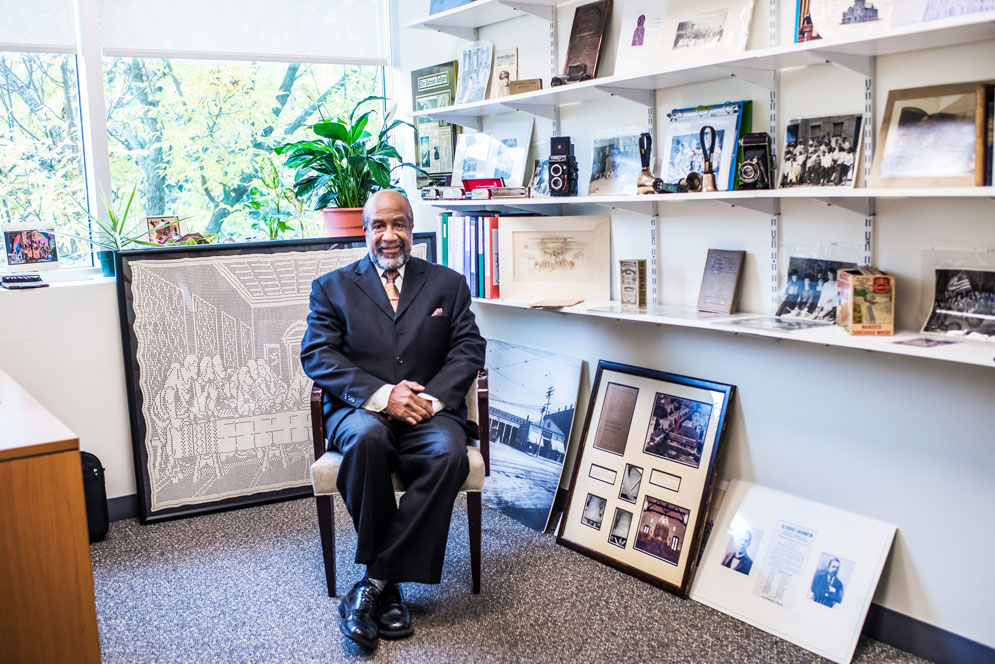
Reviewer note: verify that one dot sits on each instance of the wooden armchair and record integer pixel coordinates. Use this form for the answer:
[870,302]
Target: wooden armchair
[325,469]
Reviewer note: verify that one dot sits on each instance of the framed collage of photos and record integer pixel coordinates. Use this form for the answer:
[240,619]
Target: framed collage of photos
[643,475]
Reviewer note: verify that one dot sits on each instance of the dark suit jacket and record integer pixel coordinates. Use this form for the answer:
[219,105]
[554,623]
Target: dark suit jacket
[823,592]
[355,342]
[745,566]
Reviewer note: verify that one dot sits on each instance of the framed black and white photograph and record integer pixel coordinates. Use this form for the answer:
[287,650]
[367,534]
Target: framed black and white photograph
[677,429]
[30,247]
[532,399]
[850,19]
[629,487]
[930,137]
[810,291]
[594,511]
[803,571]
[657,500]
[963,304]
[615,163]
[621,524]
[821,152]
[706,28]
[217,397]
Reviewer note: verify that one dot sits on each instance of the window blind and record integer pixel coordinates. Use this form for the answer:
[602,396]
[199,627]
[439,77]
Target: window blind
[38,25]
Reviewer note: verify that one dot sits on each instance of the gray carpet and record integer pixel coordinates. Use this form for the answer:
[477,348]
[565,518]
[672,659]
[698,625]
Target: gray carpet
[248,586]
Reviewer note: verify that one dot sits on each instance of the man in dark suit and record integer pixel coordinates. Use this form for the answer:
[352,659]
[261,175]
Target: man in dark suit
[827,589]
[392,341]
[737,559]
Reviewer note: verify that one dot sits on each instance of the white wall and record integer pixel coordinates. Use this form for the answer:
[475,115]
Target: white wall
[904,440]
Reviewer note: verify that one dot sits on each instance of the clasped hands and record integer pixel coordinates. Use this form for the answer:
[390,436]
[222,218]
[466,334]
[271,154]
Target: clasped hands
[405,405]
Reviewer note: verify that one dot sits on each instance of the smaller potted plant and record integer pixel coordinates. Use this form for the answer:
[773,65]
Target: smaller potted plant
[113,234]
[344,166]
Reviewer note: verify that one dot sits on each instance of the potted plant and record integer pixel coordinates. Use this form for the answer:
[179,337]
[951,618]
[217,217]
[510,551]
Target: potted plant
[113,233]
[344,166]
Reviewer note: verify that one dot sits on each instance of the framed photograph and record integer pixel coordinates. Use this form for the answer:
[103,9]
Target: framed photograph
[586,34]
[656,499]
[164,229]
[706,29]
[802,571]
[850,19]
[811,291]
[217,398]
[821,152]
[615,162]
[29,247]
[923,11]
[434,87]
[681,150]
[555,257]
[963,304]
[532,399]
[932,137]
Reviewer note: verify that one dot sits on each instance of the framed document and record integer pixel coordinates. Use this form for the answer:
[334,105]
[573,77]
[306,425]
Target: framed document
[643,474]
[431,88]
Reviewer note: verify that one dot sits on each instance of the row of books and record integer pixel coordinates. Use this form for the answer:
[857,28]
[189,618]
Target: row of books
[469,245]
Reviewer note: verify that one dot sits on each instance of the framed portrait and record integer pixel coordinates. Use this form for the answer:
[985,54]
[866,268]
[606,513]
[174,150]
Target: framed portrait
[643,475]
[217,398]
[29,247]
[164,229]
[932,137]
[800,570]
[555,257]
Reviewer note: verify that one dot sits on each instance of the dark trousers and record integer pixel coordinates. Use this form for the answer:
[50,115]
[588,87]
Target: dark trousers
[403,541]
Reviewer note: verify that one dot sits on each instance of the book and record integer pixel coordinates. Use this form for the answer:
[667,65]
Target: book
[492,281]
[720,281]
[444,238]
[434,87]
[456,232]
[505,71]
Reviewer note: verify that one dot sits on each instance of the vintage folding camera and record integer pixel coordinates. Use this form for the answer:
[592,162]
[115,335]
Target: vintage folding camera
[755,171]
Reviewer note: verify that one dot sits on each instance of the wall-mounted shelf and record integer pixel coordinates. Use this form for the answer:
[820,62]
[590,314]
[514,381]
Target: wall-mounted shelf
[462,21]
[978,353]
[859,201]
[756,66]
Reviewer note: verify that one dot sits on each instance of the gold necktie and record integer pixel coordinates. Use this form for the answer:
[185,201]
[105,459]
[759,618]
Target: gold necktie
[392,293]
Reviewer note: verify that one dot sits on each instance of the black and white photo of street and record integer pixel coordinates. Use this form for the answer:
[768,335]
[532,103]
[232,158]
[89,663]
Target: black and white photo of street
[532,398]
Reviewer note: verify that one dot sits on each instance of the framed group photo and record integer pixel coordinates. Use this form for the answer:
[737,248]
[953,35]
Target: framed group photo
[643,474]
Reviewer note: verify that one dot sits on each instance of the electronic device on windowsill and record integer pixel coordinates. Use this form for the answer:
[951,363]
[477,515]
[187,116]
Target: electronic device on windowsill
[17,281]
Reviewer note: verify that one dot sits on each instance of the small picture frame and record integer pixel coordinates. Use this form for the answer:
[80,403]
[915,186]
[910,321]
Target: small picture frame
[163,229]
[654,528]
[29,247]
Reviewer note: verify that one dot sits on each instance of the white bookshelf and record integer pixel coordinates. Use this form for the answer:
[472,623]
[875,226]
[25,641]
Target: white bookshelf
[462,21]
[978,353]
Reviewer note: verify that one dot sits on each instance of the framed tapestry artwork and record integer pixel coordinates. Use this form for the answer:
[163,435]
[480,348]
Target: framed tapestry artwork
[643,474]
[217,398]
[800,570]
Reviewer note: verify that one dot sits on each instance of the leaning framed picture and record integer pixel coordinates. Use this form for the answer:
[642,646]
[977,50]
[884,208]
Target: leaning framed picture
[643,475]
[932,137]
[217,398]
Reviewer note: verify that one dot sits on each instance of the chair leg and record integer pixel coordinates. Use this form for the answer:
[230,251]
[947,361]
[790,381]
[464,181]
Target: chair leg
[473,511]
[326,526]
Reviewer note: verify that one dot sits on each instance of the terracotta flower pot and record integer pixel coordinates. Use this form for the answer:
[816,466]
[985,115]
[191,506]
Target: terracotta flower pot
[343,222]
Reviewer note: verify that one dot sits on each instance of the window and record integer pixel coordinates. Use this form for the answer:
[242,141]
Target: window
[195,135]
[41,167]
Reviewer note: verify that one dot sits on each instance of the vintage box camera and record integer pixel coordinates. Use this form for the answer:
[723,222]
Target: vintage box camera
[562,167]
[756,170]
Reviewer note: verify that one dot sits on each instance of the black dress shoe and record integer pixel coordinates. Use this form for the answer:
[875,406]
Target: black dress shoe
[395,619]
[359,610]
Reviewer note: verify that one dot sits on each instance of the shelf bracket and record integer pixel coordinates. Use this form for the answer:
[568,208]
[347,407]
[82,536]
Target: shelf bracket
[765,78]
[860,64]
[468,121]
[768,206]
[644,97]
[861,206]
[649,208]
[547,111]
[544,12]
[454,30]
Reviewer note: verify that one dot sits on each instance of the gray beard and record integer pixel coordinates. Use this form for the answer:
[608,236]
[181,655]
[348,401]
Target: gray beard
[389,263]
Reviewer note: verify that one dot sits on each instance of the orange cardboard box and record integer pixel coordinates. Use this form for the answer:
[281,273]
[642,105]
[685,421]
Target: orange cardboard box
[867,302]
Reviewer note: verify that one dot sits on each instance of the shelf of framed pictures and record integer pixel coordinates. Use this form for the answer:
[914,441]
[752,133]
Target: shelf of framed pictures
[462,21]
[951,349]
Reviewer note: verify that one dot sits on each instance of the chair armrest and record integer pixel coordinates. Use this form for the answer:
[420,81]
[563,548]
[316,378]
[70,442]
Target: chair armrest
[318,435]
[483,421]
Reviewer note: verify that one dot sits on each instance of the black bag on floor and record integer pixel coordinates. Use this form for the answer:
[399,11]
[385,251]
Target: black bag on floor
[95,494]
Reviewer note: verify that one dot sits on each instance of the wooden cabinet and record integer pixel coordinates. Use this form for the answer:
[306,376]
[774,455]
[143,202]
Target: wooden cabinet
[47,608]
